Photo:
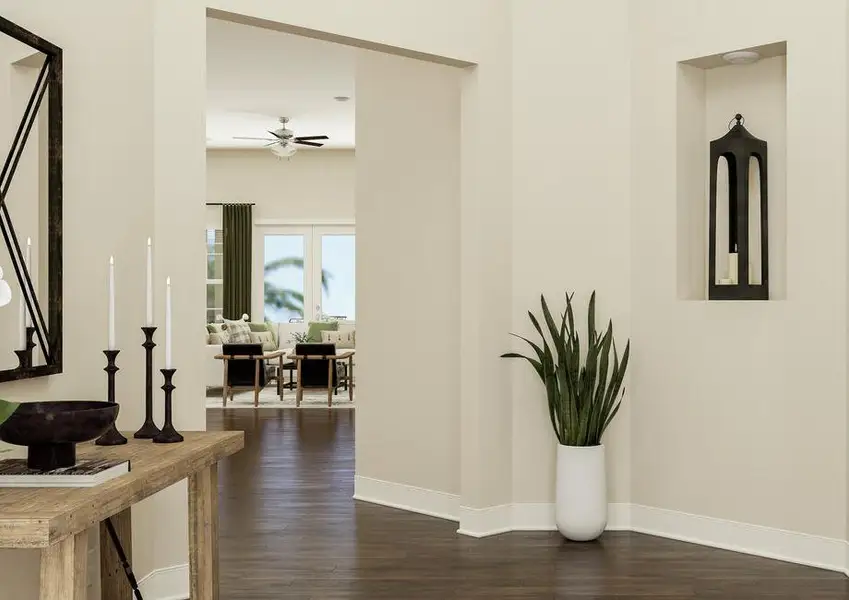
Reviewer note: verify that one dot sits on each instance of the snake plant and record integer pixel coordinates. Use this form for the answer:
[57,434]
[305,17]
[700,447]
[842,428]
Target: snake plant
[584,391]
[6,409]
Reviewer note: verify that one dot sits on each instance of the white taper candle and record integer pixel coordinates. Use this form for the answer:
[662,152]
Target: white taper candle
[148,321]
[168,323]
[111,318]
[29,270]
[22,327]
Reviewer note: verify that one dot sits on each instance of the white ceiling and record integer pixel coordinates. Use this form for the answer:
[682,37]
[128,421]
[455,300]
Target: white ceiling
[255,76]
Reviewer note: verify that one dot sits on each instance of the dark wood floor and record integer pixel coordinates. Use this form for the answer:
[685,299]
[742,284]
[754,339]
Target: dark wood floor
[289,529]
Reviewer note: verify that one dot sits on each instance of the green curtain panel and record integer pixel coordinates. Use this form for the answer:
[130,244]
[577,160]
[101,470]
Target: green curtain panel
[238,244]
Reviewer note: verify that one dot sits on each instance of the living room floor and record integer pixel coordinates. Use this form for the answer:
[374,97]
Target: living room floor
[290,529]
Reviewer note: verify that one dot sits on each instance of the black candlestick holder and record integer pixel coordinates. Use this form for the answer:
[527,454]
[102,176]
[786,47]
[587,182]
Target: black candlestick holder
[168,435]
[112,437]
[148,430]
[25,355]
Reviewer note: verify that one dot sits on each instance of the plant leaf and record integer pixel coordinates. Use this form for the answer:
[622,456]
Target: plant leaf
[584,393]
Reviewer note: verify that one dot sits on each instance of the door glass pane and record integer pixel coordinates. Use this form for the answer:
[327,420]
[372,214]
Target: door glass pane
[284,277]
[214,301]
[338,276]
[214,254]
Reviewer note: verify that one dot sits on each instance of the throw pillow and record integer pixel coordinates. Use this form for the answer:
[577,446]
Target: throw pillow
[216,339]
[344,340]
[265,338]
[215,327]
[316,327]
[267,326]
[238,332]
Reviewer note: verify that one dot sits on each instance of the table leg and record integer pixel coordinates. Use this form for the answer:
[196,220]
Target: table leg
[64,569]
[113,580]
[351,379]
[203,534]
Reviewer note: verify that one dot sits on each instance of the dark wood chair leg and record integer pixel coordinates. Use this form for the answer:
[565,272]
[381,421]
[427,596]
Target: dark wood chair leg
[225,390]
[350,379]
[256,383]
[299,395]
[330,373]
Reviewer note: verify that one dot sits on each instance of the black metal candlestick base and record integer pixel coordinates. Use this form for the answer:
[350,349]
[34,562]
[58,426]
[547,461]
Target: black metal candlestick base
[112,437]
[25,355]
[148,430]
[168,435]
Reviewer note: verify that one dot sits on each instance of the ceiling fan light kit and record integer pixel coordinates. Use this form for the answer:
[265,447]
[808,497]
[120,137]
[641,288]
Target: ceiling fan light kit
[283,140]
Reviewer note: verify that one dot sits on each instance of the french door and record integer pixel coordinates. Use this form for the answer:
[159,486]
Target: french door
[306,272]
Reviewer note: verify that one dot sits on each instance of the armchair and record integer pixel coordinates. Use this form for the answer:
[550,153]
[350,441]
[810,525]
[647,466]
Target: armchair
[317,368]
[244,367]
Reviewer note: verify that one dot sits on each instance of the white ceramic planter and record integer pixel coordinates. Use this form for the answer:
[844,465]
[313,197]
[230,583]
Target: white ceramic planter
[581,502]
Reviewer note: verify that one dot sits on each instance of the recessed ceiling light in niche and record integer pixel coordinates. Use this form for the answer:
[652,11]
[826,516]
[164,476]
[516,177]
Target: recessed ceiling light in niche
[741,57]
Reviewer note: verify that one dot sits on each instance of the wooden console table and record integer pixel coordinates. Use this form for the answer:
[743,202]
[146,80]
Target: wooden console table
[57,520]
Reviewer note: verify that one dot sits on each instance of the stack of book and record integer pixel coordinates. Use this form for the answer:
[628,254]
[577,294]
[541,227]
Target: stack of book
[86,473]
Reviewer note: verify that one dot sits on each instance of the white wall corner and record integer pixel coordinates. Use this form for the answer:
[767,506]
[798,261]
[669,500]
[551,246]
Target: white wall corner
[169,583]
[407,497]
[483,522]
[778,544]
[846,560]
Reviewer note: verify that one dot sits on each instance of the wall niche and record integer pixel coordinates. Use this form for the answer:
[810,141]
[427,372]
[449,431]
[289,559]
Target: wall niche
[710,91]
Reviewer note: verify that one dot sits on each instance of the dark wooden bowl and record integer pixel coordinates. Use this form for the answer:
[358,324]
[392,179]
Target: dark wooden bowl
[50,430]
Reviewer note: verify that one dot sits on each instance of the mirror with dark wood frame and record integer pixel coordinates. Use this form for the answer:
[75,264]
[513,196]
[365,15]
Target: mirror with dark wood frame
[30,204]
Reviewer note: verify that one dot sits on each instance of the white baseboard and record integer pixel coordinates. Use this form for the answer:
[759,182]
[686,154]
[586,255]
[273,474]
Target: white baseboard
[533,516]
[539,516]
[170,583]
[778,544]
[407,497]
[483,522]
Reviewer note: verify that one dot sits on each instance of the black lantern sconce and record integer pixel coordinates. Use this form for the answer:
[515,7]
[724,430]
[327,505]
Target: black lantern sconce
[741,234]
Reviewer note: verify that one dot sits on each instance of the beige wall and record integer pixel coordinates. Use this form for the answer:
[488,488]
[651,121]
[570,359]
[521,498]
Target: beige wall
[408,174]
[571,205]
[105,191]
[739,408]
[311,187]
[156,184]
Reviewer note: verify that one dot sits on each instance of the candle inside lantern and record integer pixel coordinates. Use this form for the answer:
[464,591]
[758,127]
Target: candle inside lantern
[732,267]
[149,301]
[168,323]
[111,317]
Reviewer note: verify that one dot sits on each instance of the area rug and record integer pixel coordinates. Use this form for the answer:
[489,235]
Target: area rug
[268,398]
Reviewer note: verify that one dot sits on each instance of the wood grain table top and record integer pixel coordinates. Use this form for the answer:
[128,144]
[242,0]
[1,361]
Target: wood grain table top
[40,517]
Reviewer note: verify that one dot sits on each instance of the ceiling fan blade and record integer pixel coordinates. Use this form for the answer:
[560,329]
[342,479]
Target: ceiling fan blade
[253,138]
[311,137]
[279,137]
[316,144]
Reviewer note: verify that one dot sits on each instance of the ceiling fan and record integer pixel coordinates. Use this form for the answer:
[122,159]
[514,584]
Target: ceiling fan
[283,141]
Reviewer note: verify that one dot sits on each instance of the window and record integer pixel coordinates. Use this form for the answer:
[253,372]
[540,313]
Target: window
[214,274]
[309,272]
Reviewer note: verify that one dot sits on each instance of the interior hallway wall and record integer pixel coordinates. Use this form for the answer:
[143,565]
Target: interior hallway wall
[739,408]
[314,186]
[408,277]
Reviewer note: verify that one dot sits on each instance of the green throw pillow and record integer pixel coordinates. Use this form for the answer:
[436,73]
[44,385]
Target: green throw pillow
[263,327]
[316,327]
